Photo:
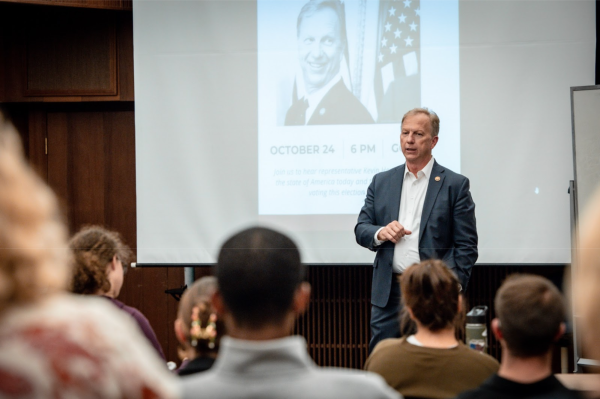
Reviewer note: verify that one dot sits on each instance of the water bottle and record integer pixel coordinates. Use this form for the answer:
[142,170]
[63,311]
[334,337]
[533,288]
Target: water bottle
[476,330]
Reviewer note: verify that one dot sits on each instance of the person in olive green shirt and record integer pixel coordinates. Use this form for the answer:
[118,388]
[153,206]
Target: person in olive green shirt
[431,363]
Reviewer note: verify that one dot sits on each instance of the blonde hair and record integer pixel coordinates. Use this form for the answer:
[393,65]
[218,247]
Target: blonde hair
[199,295]
[34,257]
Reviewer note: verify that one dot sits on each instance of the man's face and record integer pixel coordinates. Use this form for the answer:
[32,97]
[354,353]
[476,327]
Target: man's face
[416,140]
[319,48]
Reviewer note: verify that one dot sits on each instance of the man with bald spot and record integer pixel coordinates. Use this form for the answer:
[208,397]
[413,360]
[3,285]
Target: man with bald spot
[416,211]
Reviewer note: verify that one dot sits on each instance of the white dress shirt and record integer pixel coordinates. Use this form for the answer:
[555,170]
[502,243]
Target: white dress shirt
[414,189]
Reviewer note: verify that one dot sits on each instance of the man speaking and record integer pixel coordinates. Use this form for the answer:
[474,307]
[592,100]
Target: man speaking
[416,211]
[324,98]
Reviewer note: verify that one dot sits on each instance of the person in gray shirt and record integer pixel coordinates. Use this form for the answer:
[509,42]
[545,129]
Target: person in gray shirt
[261,293]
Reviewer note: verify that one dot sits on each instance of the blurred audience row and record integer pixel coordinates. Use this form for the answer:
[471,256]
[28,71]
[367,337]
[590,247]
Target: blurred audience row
[235,329]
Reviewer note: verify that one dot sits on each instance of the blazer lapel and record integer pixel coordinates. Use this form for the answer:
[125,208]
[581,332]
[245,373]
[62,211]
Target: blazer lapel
[432,191]
[395,193]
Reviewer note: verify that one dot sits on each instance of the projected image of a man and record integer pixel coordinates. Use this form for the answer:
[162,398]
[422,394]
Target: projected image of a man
[319,48]
[321,96]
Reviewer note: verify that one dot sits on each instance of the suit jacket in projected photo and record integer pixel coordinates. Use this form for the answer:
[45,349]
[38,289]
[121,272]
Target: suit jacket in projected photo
[342,81]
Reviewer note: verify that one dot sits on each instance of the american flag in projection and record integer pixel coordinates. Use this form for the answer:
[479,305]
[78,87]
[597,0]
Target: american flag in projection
[397,73]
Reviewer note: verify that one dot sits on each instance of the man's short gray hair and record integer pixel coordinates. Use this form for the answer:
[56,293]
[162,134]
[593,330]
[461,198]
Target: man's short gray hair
[435,120]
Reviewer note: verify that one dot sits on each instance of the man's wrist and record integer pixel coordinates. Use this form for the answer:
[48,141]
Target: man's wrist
[376,241]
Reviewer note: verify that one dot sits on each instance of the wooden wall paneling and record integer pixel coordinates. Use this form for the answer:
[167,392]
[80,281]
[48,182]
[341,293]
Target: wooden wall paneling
[119,171]
[87,169]
[71,52]
[15,45]
[332,325]
[98,4]
[125,56]
[62,54]
[4,29]
[36,142]
[58,161]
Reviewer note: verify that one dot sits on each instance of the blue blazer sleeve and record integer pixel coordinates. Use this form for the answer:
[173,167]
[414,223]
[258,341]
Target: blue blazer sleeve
[366,225]
[465,234]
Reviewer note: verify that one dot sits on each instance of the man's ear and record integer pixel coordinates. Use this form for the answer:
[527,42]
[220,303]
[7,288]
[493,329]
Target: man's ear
[301,298]
[460,303]
[496,329]
[218,304]
[113,263]
[561,331]
[179,331]
[411,314]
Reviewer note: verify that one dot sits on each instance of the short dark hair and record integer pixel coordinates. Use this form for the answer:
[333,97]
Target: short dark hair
[530,310]
[317,5]
[258,272]
[430,289]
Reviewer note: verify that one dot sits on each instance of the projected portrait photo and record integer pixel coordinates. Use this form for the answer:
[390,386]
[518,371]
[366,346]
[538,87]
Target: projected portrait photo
[320,95]
[351,62]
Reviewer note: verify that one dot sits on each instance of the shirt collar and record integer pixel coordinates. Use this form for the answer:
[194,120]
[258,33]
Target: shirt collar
[426,171]
[237,356]
[315,98]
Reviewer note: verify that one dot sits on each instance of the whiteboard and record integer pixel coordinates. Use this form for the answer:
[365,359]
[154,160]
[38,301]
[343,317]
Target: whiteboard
[585,104]
[585,119]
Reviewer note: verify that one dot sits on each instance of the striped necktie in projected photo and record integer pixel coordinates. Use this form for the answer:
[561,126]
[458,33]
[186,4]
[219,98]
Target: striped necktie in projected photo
[398,70]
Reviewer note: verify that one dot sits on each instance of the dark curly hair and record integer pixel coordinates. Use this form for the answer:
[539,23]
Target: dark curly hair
[93,249]
[431,291]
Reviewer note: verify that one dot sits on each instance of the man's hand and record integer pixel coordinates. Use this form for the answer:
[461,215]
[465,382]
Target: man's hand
[393,232]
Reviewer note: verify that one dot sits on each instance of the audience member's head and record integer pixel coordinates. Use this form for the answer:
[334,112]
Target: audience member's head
[34,259]
[101,259]
[260,279]
[431,294]
[585,292]
[530,315]
[197,327]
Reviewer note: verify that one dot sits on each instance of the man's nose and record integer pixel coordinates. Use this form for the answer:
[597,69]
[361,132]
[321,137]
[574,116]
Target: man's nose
[316,50]
[410,138]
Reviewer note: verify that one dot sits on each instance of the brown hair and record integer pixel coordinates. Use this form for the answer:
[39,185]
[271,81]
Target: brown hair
[199,295]
[433,118]
[34,258]
[431,291]
[530,310]
[93,248]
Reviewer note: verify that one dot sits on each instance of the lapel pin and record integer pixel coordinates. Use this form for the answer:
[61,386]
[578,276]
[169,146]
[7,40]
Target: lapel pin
[437,178]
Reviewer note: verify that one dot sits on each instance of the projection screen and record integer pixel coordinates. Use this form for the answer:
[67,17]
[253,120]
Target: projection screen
[224,140]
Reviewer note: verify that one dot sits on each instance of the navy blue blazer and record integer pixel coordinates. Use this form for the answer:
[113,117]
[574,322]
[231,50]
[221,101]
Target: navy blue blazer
[338,106]
[448,230]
